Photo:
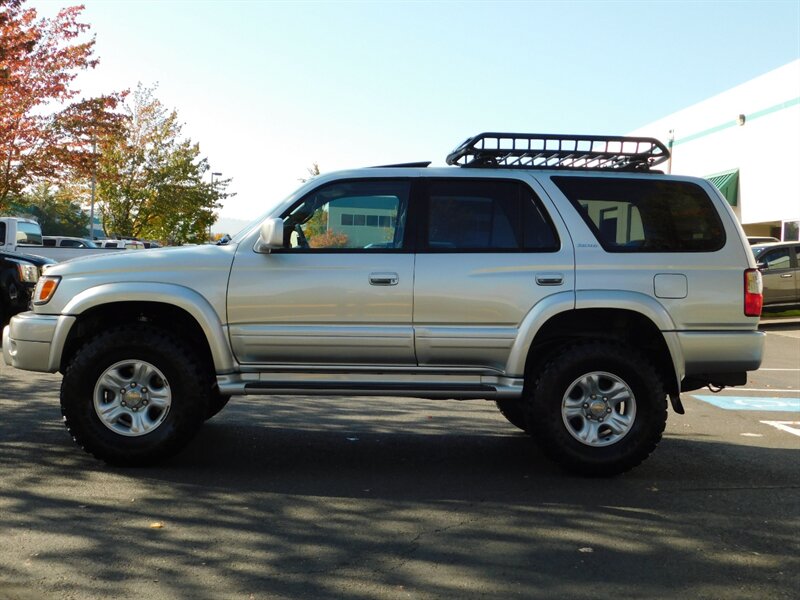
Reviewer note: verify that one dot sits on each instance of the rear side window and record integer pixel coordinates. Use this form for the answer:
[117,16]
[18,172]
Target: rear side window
[486,215]
[641,215]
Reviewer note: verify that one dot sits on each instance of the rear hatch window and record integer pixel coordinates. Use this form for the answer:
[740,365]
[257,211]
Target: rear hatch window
[645,215]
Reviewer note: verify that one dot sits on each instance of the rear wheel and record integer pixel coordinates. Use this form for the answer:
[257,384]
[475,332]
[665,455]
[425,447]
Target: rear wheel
[599,408]
[134,395]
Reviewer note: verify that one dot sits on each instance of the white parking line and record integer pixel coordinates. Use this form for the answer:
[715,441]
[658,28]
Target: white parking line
[779,369]
[771,390]
[792,427]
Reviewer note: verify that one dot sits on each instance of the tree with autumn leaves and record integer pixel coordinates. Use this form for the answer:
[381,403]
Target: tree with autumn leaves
[149,180]
[42,127]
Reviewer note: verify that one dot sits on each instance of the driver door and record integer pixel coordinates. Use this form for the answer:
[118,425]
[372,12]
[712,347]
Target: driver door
[341,289]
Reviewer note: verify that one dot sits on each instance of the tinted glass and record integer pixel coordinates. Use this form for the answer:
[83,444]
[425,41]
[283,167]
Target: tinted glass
[645,215]
[355,215]
[777,259]
[486,215]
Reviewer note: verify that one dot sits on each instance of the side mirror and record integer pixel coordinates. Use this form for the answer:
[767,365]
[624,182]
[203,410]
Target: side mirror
[271,237]
[761,266]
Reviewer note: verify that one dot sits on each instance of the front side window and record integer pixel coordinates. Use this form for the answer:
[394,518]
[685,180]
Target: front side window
[644,215]
[470,215]
[350,215]
[777,259]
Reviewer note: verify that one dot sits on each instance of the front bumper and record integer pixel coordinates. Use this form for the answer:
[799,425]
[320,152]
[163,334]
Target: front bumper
[34,342]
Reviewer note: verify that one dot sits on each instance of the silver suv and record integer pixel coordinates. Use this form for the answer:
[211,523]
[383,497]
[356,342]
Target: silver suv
[559,276]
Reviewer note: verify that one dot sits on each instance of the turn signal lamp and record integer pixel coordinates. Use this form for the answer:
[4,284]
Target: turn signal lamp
[45,288]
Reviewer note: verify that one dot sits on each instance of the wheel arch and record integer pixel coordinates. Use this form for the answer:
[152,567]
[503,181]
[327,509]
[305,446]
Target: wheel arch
[619,323]
[171,307]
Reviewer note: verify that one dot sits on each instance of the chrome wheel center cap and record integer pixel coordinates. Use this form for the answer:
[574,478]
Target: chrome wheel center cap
[597,408]
[133,397]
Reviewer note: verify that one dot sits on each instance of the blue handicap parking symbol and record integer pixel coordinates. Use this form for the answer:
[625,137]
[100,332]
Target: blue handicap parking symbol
[751,403]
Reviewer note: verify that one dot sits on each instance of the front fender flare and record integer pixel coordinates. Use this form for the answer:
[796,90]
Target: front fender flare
[180,296]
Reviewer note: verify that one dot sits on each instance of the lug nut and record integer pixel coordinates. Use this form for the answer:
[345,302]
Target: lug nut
[122,391]
[144,390]
[585,406]
[608,410]
[600,419]
[123,403]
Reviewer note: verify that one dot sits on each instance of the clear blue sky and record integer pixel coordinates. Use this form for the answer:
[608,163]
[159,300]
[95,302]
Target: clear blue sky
[267,88]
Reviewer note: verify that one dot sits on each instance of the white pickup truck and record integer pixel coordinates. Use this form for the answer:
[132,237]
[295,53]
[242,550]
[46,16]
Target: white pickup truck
[24,236]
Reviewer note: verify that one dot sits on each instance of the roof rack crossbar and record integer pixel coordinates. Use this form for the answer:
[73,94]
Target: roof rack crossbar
[554,151]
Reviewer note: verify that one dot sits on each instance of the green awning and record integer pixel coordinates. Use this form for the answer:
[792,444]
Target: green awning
[727,182]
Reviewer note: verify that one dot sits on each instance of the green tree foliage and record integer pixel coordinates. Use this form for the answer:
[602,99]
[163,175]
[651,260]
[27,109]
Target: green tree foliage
[58,210]
[150,180]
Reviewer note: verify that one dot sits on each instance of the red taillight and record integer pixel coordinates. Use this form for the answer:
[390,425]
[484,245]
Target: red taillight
[753,288]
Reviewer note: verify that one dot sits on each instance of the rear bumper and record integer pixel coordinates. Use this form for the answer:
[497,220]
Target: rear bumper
[721,354]
[34,342]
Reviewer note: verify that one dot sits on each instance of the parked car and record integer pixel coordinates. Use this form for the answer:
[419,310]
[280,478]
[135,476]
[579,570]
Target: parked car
[778,263]
[126,244]
[561,277]
[761,239]
[59,241]
[18,276]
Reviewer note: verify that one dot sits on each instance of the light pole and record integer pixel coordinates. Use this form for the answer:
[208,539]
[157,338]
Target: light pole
[213,174]
[94,185]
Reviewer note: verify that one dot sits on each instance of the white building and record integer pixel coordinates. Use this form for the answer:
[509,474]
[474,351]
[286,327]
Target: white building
[747,141]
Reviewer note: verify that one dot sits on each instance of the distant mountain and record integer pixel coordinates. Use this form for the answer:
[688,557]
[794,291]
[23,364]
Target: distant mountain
[230,226]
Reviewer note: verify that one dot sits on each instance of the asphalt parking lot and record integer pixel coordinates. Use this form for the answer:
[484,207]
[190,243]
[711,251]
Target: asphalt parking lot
[393,498]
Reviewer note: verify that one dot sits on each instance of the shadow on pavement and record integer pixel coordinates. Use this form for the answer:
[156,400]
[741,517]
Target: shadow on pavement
[376,498]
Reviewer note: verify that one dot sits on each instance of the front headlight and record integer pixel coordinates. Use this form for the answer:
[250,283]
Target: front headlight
[28,273]
[45,289]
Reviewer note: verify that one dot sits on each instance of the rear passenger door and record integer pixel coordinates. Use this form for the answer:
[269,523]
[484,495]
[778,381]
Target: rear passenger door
[487,252]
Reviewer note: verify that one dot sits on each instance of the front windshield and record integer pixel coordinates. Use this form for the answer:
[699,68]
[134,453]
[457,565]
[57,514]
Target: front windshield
[277,209]
[758,251]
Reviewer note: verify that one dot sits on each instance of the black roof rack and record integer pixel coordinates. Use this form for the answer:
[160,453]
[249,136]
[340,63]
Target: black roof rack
[554,151]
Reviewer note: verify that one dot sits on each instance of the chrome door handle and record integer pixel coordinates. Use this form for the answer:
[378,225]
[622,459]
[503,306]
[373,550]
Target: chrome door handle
[786,276]
[383,278]
[550,279]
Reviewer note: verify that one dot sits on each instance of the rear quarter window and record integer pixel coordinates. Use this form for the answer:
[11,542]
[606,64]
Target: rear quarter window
[645,215]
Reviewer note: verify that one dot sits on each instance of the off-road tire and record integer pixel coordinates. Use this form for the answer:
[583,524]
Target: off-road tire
[216,403]
[547,393]
[514,412]
[189,385]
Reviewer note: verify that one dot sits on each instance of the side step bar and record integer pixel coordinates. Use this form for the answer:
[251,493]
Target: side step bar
[507,388]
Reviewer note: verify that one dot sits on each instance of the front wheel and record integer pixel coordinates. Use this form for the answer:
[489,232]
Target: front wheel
[134,395]
[514,412]
[598,408]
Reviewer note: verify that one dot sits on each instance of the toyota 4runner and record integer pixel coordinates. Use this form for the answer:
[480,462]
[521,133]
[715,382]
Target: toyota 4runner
[558,276]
